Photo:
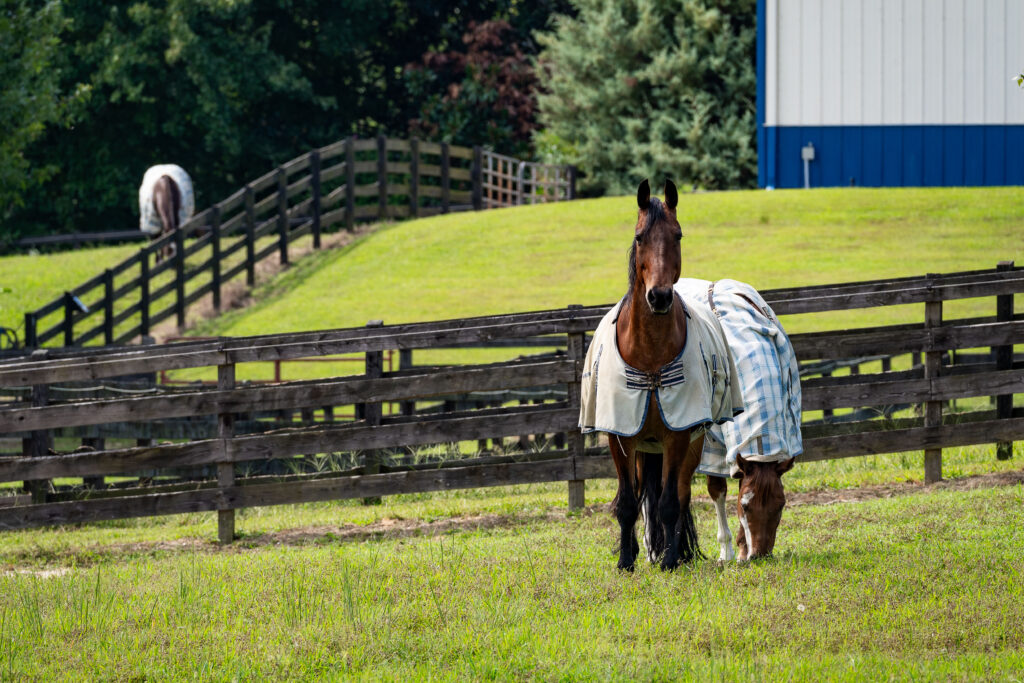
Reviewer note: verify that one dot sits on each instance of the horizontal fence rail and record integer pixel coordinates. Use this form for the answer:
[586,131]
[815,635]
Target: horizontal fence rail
[335,186]
[238,445]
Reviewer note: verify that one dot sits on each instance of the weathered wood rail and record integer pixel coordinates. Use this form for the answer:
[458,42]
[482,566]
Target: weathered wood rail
[338,185]
[566,458]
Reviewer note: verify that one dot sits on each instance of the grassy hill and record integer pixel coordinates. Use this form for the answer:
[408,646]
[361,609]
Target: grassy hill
[35,279]
[549,256]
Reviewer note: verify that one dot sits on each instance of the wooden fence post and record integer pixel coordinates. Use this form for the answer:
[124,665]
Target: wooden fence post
[382,177]
[477,175]
[372,412]
[446,164]
[282,215]
[69,319]
[37,445]
[179,283]
[30,331]
[572,182]
[414,178]
[314,192]
[215,258]
[933,409]
[1004,361]
[144,302]
[108,306]
[96,444]
[576,444]
[350,181]
[250,237]
[226,469]
[405,363]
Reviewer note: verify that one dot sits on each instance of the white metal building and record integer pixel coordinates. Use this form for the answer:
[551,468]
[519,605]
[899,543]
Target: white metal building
[890,92]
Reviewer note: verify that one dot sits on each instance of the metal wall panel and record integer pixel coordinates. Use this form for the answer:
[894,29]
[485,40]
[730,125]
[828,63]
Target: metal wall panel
[859,62]
[891,92]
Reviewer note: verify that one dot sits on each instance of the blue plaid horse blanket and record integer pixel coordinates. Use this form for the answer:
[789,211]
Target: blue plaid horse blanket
[768,429]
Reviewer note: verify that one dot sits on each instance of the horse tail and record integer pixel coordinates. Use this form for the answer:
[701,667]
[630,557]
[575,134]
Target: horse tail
[650,494]
[689,549]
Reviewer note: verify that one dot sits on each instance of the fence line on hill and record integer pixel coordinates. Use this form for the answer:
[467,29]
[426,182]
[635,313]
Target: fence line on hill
[345,182]
[315,446]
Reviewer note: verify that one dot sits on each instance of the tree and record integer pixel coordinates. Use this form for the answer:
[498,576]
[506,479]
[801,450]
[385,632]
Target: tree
[30,97]
[225,88]
[654,88]
[480,94]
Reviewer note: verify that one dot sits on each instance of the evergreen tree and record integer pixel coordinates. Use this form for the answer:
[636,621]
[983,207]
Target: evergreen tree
[654,89]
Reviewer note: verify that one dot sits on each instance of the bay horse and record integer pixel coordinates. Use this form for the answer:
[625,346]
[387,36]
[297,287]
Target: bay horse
[657,373]
[687,376]
[165,202]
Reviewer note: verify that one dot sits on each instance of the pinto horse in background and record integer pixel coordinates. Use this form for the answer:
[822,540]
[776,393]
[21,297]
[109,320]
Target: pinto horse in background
[166,201]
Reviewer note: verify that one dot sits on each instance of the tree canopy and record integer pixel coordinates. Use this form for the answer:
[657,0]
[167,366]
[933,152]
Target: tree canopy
[654,88]
[224,88]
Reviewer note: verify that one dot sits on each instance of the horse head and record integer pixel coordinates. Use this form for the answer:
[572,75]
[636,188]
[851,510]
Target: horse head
[655,258]
[761,500]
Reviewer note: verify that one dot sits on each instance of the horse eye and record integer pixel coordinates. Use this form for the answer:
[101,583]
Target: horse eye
[639,238]
[679,237]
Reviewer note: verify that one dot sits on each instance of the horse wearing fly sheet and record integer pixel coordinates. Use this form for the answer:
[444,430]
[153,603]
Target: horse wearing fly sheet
[660,379]
[166,201]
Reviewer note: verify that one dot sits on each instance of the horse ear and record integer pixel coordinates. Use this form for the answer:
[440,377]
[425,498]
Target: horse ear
[784,466]
[743,465]
[671,196]
[643,195]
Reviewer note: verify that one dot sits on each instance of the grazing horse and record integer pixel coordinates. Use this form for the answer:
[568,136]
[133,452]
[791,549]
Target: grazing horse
[761,444]
[657,374]
[166,201]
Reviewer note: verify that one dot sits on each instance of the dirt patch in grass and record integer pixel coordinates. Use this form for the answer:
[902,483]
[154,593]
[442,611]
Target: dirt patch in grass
[875,491]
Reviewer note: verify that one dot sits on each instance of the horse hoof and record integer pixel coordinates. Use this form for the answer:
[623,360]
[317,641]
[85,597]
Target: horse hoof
[626,567]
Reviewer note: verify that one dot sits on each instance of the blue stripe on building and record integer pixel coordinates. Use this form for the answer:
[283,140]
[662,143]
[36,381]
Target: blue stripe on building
[892,155]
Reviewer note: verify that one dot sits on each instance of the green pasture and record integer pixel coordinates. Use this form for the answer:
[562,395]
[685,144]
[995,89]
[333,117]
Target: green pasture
[550,256]
[553,255]
[920,586]
[36,279]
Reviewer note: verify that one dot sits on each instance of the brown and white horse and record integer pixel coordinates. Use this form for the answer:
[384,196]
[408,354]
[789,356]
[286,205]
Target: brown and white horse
[165,202]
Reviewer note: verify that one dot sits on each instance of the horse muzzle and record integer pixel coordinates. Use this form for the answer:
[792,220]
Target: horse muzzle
[660,300]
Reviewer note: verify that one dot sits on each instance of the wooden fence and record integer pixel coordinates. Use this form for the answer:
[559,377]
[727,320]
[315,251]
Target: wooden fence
[931,384]
[337,185]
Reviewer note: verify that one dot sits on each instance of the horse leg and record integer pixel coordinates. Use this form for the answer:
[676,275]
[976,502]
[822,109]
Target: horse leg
[167,202]
[650,484]
[674,506]
[717,489]
[627,507]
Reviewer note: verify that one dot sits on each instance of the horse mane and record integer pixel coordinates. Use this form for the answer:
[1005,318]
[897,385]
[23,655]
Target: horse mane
[762,483]
[655,213]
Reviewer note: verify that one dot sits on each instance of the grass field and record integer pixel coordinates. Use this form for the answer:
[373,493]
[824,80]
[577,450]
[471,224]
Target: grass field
[906,584]
[503,584]
[550,256]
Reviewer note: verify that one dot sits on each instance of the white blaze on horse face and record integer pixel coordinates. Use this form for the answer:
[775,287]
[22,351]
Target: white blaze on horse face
[724,535]
[744,501]
[747,536]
